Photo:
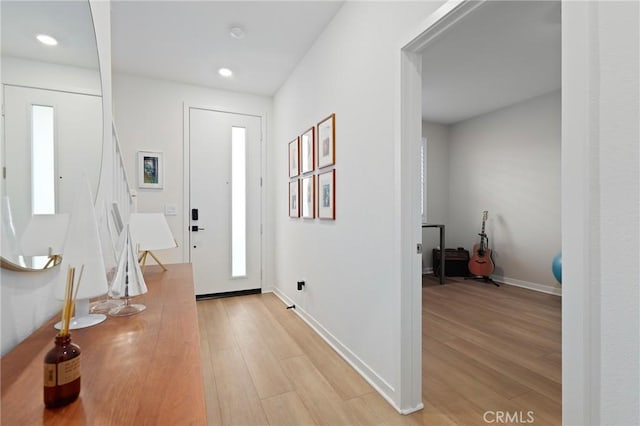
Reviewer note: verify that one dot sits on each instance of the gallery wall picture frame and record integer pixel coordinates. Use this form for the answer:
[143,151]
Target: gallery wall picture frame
[294,157]
[327,141]
[327,195]
[294,198]
[308,199]
[150,170]
[307,145]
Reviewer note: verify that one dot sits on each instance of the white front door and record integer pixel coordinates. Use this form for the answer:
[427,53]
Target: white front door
[224,201]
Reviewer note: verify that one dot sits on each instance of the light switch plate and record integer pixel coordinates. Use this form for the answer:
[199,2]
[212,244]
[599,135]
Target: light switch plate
[170,210]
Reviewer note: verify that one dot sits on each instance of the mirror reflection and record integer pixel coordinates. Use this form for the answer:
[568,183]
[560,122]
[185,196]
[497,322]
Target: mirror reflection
[52,101]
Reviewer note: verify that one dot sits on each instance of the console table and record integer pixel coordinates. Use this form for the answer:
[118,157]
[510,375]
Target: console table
[142,369]
[442,247]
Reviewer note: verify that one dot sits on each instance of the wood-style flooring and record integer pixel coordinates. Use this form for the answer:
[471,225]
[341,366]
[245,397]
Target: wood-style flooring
[484,348]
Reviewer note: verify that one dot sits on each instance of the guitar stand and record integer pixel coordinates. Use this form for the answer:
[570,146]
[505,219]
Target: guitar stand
[484,279]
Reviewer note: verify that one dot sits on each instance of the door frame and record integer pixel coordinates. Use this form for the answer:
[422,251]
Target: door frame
[186,174]
[581,289]
[407,171]
[580,314]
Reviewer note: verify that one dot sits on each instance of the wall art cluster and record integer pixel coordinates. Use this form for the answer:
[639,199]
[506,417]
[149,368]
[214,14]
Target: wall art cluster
[312,175]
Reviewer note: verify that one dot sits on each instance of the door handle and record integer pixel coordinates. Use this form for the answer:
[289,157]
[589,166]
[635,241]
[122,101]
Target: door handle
[196,228]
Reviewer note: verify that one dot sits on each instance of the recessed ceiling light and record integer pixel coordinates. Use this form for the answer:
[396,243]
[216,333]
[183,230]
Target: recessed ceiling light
[225,72]
[237,32]
[47,39]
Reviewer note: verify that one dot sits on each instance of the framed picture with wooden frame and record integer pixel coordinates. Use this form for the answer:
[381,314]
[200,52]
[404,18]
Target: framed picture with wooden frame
[294,157]
[307,145]
[307,200]
[327,195]
[327,141]
[294,198]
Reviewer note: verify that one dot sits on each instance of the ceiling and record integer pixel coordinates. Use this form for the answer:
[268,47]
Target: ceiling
[502,53]
[68,21]
[188,41]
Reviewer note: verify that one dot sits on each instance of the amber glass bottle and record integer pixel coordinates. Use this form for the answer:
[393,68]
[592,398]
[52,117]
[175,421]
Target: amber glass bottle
[62,373]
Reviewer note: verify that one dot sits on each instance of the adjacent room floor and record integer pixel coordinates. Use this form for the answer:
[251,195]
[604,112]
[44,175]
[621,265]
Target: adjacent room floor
[484,349]
[489,350]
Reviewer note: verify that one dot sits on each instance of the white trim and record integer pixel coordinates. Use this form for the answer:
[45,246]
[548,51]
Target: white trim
[409,229]
[580,215]
[542,288]
[407,262]
[101,18]
[367,373]
[186,196]
[411,410]
[423,178]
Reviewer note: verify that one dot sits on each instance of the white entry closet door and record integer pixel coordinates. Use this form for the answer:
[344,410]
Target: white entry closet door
[224,201]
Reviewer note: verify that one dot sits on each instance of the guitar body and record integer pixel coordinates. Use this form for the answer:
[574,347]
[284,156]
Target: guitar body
[480,263]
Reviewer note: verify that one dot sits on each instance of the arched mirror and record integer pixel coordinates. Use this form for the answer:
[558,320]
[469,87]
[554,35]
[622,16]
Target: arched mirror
[52,103]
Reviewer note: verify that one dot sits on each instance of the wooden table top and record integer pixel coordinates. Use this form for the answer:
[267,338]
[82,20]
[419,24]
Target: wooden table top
[136,370]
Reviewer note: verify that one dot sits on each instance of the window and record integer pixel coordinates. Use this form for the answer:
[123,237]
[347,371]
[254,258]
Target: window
[238,202]
[43,180]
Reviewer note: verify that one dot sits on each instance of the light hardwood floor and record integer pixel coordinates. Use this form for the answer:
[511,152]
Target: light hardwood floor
[484,348]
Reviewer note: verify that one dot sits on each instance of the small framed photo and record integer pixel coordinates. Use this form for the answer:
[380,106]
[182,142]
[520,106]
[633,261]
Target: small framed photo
[327,141]
[308,197]
[327,195]
[294,157]
[294,199]
[150,169]
[307,142]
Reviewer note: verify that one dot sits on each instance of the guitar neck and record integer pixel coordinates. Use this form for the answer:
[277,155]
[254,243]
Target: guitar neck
[482,234]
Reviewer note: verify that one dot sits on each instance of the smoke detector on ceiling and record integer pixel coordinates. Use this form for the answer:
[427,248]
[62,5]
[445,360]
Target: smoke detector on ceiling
[237,32]
[225,72]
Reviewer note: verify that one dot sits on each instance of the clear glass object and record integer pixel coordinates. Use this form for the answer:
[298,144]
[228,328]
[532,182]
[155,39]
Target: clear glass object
[127,308]
[103,306]
[128,281]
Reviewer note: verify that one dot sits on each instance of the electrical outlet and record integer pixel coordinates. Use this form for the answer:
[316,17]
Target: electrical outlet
[300,285]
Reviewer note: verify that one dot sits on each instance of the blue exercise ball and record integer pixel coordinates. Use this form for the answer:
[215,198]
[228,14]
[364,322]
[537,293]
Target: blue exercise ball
[556,267]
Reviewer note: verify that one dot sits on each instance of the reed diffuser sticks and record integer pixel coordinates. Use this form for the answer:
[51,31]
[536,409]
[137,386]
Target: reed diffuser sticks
[62,363]
[70,295]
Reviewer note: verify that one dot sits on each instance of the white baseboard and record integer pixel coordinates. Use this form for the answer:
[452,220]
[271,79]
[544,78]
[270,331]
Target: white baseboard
[378,383]
[543,288]
[427,270]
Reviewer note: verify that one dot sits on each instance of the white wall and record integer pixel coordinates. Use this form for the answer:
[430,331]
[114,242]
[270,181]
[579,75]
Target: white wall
[43,75]
[149,117]
[352,294]
[601,213]
[437,188]
[508,162]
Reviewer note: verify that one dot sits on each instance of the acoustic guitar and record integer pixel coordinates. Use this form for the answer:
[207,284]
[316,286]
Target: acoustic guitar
[480,263]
